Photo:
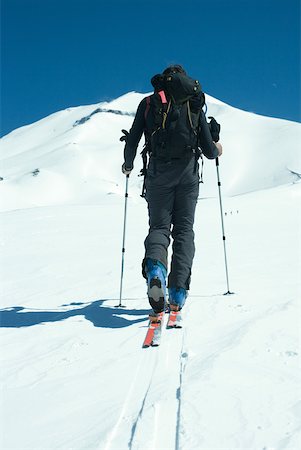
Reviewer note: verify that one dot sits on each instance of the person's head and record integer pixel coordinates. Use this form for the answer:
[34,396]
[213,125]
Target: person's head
[176,68]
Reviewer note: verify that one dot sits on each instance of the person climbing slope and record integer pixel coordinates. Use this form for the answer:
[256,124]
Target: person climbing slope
[176,133]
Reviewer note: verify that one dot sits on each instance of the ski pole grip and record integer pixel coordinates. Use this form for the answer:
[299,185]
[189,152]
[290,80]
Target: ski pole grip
[217,162]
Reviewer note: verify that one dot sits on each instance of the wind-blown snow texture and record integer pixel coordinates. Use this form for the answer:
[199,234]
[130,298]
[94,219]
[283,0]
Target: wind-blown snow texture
[73,373]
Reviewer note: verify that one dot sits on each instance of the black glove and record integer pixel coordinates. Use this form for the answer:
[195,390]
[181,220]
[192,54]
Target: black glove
[125,136]
[214,128]
[197,102]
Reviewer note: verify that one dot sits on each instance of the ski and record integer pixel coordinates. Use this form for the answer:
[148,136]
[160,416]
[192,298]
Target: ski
[153,335]
[174,319]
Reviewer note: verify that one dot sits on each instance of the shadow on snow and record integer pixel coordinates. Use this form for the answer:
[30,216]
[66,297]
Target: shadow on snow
[101,316]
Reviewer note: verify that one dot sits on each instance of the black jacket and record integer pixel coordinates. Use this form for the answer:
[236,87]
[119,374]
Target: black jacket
[140,125]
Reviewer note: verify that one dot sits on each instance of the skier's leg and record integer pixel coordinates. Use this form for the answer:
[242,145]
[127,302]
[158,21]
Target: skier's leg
[183,236]
[160,198]
[160,193]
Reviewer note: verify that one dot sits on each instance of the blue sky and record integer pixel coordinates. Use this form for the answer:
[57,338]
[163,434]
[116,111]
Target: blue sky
[61,53]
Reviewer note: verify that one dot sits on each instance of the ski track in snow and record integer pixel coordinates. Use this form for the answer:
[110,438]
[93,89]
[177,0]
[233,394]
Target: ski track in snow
[117,429]
[179,394]
[158,412]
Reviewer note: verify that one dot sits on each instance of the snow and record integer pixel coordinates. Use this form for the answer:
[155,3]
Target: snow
[73,373]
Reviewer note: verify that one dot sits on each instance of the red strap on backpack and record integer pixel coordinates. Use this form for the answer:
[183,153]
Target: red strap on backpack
[163,100]
[147,107]
[163,97]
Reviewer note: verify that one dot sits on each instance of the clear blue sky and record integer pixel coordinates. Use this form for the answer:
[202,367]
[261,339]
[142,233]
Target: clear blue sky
[61,53]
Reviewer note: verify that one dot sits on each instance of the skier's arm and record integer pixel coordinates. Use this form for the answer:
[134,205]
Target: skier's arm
[207,145]
[134,136]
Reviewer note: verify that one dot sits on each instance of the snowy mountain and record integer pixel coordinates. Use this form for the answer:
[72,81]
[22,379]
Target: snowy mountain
[73,373]
[72,155]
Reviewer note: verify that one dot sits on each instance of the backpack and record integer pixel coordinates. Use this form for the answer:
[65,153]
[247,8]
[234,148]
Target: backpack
[172,118]
[179,86]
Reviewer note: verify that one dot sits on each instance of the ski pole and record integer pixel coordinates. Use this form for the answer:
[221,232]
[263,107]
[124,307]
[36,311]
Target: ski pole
[223,228]
[120,305]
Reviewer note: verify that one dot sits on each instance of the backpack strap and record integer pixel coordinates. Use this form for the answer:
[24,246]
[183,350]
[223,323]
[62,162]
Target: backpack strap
[165,113]
[166,107]
[190,118]
[197,152]
[163,97]
[147,107]
[148,101]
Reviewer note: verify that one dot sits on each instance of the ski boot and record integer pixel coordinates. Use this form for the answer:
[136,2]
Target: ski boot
[156,286]
[177,298]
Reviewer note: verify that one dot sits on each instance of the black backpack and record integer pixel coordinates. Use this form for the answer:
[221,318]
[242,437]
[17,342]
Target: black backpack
[172,116]
[179,86]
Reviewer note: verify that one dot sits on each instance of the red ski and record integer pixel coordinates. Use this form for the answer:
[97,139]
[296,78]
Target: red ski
[153,335]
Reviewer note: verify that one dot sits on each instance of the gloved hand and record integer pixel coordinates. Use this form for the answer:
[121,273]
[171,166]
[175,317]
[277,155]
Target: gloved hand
[215,129]
[125,136]
[126,170]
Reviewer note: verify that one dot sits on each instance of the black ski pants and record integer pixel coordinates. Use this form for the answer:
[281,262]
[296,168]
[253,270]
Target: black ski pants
[172,190]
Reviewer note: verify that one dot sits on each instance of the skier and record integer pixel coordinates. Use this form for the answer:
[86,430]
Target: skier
[175,128]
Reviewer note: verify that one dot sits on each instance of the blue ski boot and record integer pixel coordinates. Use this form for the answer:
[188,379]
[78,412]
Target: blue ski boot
[177,298]
[156,285]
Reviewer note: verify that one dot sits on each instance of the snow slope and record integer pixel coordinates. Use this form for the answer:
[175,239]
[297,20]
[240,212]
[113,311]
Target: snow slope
[73,373]
[77,152]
